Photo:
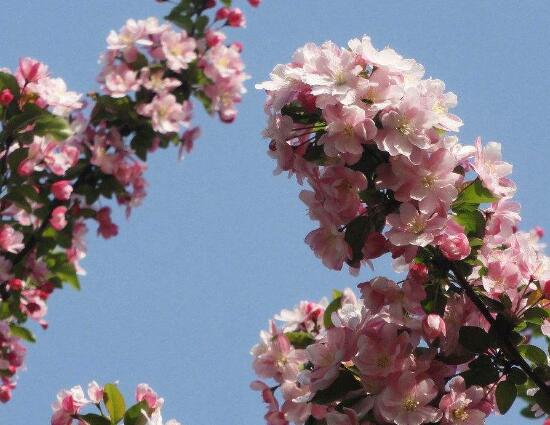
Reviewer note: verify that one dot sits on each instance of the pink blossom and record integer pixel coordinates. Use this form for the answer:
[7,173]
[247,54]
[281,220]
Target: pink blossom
[412,227]
[30,71]
[107,229]
[10,239]
[54,92]
[348,128]
[236,18]
[155,81]
[119,80]
[179,49]
[453,243]
[329,245]
[58,219]
[433,326]
[145,393]
[62,190]
[166,113]
[69,402]
[95,392]
[461,405]
[221,62]
[406,402]
[492,170]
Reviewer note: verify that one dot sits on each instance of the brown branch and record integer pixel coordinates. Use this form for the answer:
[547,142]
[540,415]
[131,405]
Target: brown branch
[505,344]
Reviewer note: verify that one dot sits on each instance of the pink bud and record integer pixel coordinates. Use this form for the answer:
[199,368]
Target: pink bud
[433,326]
[546,289]
[6,97]
[210,4]
[25,168]
[238,46]
[214,38]
[62,190]
[418,272]
[236,18]
[15,284]
[222,13]
[539,231]
[58,219]
[254,3]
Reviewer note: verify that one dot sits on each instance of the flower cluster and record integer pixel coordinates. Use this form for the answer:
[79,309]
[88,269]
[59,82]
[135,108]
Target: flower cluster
[374,142]
[60,166]
[69,407]
[372,361]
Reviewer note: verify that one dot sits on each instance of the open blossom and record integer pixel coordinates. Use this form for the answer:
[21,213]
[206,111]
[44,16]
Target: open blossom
[10,239]
[412,227]
[54,92]
[119,80]
[179,49]
[166,113]
[461,406]
[492,170]
[329,245]
[69,402]
[406,402]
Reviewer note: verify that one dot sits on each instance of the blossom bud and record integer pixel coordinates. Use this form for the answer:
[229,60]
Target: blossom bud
[214,38]
[236,18]
[15,284]
[433,326]
[6,97]
[418,272]
[453,243]
[254,3]
[58,219]
[222,13]
[539,231]
[238,46]
[210,4]
[546,289]
[62,190]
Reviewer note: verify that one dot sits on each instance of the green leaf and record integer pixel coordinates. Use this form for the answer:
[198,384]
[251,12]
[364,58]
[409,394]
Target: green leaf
[201,23]
[517,376]
[28,116]
[343,384]
[300,339]
[472,221]
[527,412]
[134,415]
[226,2]
[67,273]
[22,333]
[482,376]
[534,354]
[93,419]
[52,125]
[474,339]
[114,401]
[331,308]
[536,315]
[506,393]
[475,193]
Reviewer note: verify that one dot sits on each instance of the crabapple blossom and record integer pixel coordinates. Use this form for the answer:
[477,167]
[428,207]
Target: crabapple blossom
[68,161]
[452,342]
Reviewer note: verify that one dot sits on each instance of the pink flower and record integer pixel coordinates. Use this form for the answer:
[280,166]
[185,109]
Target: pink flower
[54,92]
[179,49]
[58,219]
[492,170]
[62,190]
[154,80]
[461,405]
[119,80]
[30,71]
[145,393]
[412,227]
[10,239]
[95,392]
[453,243]
[107,228]
[222,62]
[338,346]
[406,402]
[69,402]
[166,113]
[348,128]
[329,245]
[433,326]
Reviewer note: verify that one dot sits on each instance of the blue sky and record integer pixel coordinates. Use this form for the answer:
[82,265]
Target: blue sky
[217,248]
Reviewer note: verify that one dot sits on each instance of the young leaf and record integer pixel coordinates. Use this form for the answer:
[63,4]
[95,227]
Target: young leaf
[22,332]
[114,401]
[331,308]
[475,193]
[134,415]
[93,419]
[506,393]
[300,339]
[535,354]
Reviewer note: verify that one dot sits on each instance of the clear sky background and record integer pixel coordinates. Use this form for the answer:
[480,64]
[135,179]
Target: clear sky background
[178,298]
